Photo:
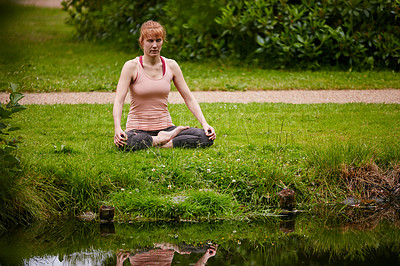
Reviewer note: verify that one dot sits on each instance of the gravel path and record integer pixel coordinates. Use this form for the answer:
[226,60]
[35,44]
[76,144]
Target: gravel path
[287,96]
[41,3]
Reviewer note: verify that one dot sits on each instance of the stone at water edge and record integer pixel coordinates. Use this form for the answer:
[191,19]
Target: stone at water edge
[87,216]
[287,199]
[106,213]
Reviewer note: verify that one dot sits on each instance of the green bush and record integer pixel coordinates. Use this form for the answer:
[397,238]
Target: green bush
[10,164]
[305,33]
[118,21]
[193,32]
[314,33]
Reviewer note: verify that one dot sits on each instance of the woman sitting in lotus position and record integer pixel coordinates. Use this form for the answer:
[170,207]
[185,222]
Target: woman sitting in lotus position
[148,79]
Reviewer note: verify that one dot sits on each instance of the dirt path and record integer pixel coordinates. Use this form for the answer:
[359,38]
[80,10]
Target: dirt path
[42,3]
[291,96]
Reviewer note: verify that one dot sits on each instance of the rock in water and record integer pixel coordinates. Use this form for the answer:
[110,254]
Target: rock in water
[87,216]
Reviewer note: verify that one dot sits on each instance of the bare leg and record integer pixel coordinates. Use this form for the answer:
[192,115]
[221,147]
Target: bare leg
[164,138]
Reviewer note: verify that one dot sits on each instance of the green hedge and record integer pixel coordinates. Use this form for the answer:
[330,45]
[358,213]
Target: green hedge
[306,33]
[313,33]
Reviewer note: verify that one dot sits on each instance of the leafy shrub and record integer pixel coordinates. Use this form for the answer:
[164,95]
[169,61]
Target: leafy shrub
[118,21]
[314,33]
[306,33]
[10,164]
[193,32]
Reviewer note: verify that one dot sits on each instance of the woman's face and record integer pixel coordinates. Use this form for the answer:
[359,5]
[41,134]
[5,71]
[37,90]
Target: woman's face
[152,46]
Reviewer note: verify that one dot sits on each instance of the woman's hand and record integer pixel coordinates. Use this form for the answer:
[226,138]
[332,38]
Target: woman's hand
[120,138]
[210,132]
[121,257]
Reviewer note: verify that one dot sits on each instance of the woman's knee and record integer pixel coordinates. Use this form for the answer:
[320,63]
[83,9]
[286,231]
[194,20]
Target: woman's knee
[137,141]
[204,140]
[192,138]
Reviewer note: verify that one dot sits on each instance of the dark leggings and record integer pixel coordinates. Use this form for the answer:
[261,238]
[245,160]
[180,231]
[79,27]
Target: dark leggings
[188,138]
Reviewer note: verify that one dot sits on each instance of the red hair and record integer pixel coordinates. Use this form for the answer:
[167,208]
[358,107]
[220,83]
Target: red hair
[151,29]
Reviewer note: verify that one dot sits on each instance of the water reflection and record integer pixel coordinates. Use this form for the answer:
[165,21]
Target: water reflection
[162,254]
[323,236]
[287,223]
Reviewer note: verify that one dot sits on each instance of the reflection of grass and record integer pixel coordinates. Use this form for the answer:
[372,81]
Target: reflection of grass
[354,244]
[315,238]
[280,148]
[38,52]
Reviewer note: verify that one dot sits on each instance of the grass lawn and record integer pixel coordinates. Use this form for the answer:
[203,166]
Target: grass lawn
[39,53]
[69,157]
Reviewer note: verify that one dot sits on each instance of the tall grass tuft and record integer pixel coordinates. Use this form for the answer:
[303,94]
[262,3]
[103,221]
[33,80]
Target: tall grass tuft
[136,204]
[31,198]
[328,159]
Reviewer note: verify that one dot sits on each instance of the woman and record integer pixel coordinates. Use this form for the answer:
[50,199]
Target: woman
[148,79]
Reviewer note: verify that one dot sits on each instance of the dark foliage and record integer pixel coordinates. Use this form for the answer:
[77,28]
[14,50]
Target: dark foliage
[351,34]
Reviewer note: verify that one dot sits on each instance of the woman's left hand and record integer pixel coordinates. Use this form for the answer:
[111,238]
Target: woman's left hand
[210,132]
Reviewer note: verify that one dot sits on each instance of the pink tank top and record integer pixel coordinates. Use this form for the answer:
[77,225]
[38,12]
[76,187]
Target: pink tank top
[149,101]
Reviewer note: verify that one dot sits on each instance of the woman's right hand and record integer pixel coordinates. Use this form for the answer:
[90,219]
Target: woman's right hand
[121,257]
[120,138]
[210,132]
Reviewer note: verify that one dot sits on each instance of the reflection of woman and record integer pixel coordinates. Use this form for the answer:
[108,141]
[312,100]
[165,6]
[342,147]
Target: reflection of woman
[163,255]
[148,79]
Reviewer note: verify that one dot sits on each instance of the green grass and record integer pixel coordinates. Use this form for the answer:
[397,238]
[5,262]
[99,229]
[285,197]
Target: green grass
[39,52]
[260,148]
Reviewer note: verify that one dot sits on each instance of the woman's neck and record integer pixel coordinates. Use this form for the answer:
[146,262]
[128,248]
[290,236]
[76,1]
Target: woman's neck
[151,60]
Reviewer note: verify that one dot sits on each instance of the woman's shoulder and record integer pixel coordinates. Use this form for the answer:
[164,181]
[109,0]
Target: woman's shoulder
[172,63]
[132,63]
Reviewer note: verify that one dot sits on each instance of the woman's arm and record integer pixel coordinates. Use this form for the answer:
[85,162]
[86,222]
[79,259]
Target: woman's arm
[128,72]
[189,99]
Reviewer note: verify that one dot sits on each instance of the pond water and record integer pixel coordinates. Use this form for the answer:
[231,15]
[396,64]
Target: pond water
[328,236]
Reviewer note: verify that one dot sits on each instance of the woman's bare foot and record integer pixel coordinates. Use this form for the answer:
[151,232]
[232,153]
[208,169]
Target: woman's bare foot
[164,137]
